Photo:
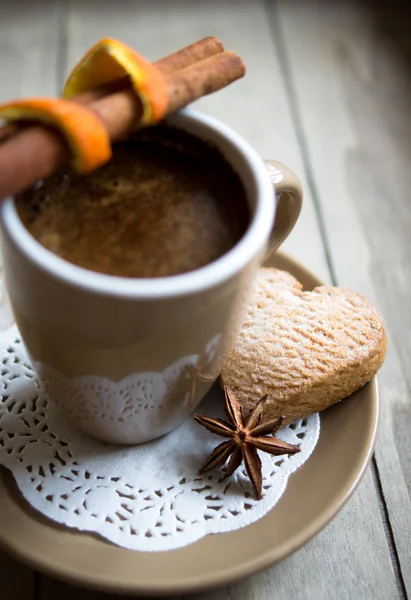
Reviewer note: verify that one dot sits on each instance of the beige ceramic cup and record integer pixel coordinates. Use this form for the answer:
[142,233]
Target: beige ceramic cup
[127,359]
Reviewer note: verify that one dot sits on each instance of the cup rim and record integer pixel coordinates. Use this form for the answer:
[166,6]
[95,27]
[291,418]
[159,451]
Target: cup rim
[171,286]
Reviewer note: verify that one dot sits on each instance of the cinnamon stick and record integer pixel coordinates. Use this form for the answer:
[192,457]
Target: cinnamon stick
[176,61]
[203,78]
[36,151]
[10,129]
[121,111]
[190,55]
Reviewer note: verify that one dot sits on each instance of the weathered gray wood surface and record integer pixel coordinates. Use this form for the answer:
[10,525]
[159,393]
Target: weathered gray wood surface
[350,80]
[296,105]
[28,65]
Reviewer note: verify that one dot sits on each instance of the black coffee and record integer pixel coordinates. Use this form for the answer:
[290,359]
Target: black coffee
[166,203]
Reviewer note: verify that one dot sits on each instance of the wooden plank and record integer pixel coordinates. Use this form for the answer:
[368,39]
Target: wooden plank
[28,42]
[28,47]
[350,557]
[350,68]
[52,589]
[16,580]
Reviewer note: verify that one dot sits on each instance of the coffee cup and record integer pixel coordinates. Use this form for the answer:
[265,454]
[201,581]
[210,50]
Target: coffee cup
[128,359]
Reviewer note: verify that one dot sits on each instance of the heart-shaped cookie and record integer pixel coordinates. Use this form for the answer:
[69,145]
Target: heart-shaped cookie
[306,350]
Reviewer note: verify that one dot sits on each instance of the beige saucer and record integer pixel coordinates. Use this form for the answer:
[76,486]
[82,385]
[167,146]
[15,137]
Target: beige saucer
[314,495]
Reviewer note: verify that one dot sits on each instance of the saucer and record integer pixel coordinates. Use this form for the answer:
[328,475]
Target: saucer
[314,495]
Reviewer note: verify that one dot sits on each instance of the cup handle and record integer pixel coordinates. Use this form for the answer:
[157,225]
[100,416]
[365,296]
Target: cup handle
[289,196]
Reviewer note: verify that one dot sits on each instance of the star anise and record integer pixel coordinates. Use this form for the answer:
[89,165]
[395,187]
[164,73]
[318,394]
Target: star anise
[245,438]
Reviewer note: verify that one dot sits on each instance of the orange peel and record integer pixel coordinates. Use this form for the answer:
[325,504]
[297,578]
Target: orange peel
[110,60]
[82,129]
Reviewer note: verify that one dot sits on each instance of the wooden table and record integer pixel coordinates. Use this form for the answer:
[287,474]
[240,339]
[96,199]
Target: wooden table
[328,92]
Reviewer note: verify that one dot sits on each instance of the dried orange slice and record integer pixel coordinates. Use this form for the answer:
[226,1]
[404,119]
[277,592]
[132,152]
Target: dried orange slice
[110,60]
[84,132]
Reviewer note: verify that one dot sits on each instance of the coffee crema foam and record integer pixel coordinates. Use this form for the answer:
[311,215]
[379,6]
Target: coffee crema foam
[167,203]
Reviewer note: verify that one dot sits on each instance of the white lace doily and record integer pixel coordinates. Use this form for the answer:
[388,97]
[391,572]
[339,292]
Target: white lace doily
[148,497]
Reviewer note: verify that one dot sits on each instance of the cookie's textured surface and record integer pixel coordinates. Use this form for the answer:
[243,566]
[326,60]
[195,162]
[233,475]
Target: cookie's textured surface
[306,350]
